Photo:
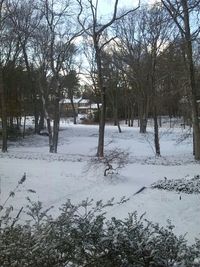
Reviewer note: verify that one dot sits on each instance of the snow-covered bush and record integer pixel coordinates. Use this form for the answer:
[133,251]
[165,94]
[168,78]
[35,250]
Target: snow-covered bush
[184,185]
[112,162]
[82,236]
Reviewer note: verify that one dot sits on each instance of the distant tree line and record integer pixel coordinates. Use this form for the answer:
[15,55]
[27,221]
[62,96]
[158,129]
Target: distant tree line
[139,63]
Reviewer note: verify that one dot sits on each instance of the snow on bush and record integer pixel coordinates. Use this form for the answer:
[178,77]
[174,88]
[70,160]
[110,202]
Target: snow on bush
[189,186]
[82,236]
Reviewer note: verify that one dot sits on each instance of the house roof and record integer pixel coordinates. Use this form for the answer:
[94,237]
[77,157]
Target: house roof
[82,101]
[92,106]
[68,101]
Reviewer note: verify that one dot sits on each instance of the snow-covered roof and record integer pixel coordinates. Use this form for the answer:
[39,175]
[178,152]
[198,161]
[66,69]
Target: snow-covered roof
[92,106]
[84,101]
[80,100]
[68,101]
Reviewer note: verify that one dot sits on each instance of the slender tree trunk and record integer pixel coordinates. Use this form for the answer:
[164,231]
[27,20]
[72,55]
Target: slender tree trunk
[74,110]
[33,90]
[155,116]
[56,126]
[41,120]
[100,151]
[193,94]
[51,148]
[11,124]
[18,119]
[125,106]
[100,148]
[129,116]
[47,117]
[160,121]
[3,113]
[115,110]
[116,120]
[156,133]
[132,115]
[24,127]
[143,116]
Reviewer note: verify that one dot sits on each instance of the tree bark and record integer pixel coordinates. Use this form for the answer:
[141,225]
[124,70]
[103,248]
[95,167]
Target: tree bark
[155,116]
[56,122]
[24,127]
[3,113]
[33,90]
[102,88]
[74,110]
[156,132]
[185,30]
[191,70]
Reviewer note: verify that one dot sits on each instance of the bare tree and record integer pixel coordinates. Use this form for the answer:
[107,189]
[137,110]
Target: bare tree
[60,40]
[70,85]
[2,89]
[181,12]
[156,35]
[132,61]
[95,29]
[25,17]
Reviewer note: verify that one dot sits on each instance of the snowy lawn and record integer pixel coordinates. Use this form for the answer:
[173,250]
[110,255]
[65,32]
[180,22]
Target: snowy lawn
[68,174]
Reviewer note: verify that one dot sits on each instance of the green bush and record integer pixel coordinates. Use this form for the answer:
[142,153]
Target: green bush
[82,236]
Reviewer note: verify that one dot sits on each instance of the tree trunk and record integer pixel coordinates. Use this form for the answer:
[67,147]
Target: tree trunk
[115,111]
[3,113]
[56,126]
[24,127]
[187,37]
[193,94]
[160,121]
[47,117]
[74,110]
[143,115]
[155,116]
[33,90]
[129,116]
[100,148]
[132,116]
[156,133]
[51,148]
[41,120]
[143,124]
[11,123]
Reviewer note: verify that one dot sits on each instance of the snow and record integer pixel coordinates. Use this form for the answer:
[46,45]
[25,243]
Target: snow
[68,100]
[69,174]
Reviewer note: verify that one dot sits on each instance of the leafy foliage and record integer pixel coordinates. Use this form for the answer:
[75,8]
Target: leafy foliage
[82,236]
[189,186]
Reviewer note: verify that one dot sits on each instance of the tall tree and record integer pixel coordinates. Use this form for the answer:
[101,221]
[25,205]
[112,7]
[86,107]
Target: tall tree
[132,53]
[156,34]
[2,88]
[95,28]
[25,17]
[70,85]
[60,40]
[183,14]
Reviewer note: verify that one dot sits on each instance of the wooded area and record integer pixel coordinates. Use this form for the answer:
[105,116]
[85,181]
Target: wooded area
[138,63]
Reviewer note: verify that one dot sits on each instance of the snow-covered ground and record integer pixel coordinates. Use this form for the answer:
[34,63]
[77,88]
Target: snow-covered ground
[69,174]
